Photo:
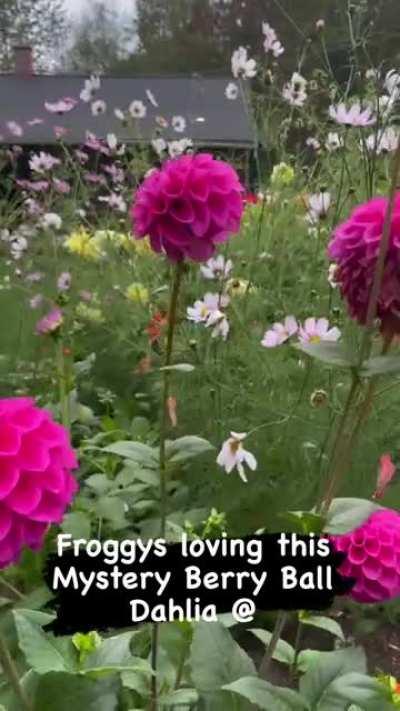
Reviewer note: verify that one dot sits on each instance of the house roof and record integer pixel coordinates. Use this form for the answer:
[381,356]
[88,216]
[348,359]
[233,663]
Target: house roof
[211,118]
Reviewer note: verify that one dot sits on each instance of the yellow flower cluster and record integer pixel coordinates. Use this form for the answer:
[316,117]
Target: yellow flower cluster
[137,293]
[87,246]
[84,245]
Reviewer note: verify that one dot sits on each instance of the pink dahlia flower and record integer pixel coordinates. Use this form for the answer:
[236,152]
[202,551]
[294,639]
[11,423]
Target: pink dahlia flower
[36,484]
[372,557]
[354,247]
[188,206]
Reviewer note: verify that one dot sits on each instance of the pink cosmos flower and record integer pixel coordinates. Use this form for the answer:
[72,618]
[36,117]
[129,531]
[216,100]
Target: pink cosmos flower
[42,162]
[353,116]
[373,557]
[62,106]
[354,247]
[50,323]
[280,332]
[61,186]
[317,330]
[61,131]
[233,454]
[36,484]
[188,206]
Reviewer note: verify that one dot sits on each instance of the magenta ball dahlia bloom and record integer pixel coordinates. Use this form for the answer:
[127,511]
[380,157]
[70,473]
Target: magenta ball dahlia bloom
[36,484]
[354,247]
[372,557]
[188,206]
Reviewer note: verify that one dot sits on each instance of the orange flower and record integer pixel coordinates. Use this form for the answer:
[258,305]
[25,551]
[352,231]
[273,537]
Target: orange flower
[156,325]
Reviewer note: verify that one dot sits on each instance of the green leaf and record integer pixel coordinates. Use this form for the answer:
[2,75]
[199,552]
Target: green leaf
[331,353]
[360,689]
[304,521]
[63,692]
[100,483]
[112,509]
[136,451]
[77,524]
[347,513]
[37,617]
[112,652]
[324,670]
[284,652]
[39,649]
[132,473]
[381,365]
[216,659]
[184,448]
[181,697]
[324,623]
[266,696]
[181,367]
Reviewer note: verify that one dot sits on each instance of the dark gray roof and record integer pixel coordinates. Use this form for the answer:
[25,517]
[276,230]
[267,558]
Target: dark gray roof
[227,122]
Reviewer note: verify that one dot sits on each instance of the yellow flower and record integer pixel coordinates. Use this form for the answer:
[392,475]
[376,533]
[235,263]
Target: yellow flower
[84,245]
[137,293]
[141,246]
[238,287]
[282,175]
[89,313]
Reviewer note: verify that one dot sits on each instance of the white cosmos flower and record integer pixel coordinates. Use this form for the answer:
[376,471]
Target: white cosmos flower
[219,323]
[202,309]
[271,42]
[313,143]
[392,82]
[333,142]
[18,247]
[295,91]
[318,205]
[217,268]
[151,98]
[176,148]
[119,114]
[159,145]
[232,91]
[178,123]
[137,109]
[385,141]
[332,272]
[112,141]
[242,66]
[233,454]
[51,219]
[99,107]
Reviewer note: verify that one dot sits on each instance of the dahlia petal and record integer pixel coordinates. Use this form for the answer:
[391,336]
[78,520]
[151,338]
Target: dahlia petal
[28,418]
[33,454]
[10,439]
[9,476]
[5,522]
[25,497]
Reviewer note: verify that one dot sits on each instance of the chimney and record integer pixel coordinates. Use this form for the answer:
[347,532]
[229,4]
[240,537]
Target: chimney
[23,61]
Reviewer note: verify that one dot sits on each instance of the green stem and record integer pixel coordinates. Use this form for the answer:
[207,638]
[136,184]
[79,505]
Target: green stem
[10,671]
[297,642]
[280,623]
[172,314]
[62,384]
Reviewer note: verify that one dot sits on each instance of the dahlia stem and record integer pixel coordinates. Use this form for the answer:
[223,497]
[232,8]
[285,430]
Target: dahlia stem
[380,264]
[280,622]
[172,317]
[62,384]
[172,313]
[10,671]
